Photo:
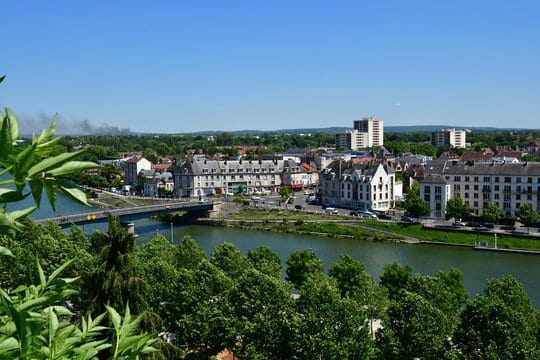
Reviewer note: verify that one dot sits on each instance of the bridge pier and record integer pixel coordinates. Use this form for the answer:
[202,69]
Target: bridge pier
[129,227]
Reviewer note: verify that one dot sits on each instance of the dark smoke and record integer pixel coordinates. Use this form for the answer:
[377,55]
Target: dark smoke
[32,125]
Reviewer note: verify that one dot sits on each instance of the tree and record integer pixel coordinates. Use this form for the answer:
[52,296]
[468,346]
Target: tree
[413,330]
[265,317]
[491,213]
[355,283]
[266,261]
[229,259]
[201,311]
[414,204]
[34,324]
[301,265]
[331,326]
[285,192]
[502,324]
[189,254]
[527,215]
[114,281]
[396,278]
[456,208]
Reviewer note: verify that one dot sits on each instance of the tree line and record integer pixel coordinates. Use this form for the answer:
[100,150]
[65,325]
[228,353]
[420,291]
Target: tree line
[241,302]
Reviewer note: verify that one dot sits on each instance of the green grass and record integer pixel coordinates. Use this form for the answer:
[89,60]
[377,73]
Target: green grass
[293,221]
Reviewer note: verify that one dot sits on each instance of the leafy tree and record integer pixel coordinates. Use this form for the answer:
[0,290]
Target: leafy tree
[414,329]
[456,208]
[201,311]
[115,281]
[33,324]
[285,192]
[189,254]
[229,259]
[396,278]
[266,261]
[331,326]
[414,204]
[502,324]
[265,317]
[528,215]
[355,283]
[491,213]
[301,265]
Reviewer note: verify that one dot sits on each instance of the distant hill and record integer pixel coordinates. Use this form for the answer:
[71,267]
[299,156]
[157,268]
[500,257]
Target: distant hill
[335,130]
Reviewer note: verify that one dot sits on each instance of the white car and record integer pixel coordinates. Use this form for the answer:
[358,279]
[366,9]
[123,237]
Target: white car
[330,210]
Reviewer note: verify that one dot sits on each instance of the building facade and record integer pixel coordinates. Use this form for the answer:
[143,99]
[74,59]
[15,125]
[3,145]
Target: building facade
[202,177]
[507,185]
[366,133]
[357,186]
[454,138]
[436,191]
[132,167]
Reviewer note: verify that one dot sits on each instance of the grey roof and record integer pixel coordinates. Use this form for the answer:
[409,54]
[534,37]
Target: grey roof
[483,168]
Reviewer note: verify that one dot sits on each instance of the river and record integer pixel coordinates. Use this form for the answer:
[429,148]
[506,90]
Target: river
[477,266]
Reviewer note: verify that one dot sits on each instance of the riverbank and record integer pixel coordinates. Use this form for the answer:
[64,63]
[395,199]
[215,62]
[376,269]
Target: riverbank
[300,222]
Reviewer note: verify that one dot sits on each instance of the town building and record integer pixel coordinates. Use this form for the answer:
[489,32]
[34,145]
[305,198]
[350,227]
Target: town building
[201,177]
[449,136]
[357,186]
[366,133]
[436,191]
[132,167]
[507,185]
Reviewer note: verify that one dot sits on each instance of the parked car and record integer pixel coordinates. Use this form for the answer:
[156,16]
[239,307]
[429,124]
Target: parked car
[384,217]
[299,207]
[459,223]
[508,227]
[331,210]
[406,219]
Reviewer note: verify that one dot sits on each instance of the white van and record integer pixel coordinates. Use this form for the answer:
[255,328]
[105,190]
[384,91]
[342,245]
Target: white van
[330,210]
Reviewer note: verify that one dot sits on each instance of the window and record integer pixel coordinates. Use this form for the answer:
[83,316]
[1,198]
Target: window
[475,195]
[466,186]
[457,178]
[475,204]
[529,180]
[466,195]
[457,187]
[518,180]
[487,179]
[476,179]
[485,196]
[476,187]
[467,179]
[507,179]
[438,190]
[496,179]
[427,189]
[496,187]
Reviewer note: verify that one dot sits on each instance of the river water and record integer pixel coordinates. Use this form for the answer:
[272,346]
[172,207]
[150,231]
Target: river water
[477,266]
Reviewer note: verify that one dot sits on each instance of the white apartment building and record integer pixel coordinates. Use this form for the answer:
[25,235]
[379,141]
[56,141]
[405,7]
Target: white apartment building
[507,185]
[450,136]
[132,167]
[366,133]
[436,191]
[202,177]
[362,186]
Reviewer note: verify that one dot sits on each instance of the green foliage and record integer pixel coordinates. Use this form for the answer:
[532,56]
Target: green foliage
[456,208]
[302,265]
[114,280]
[502,324]
[413,330]
[266,261]
[396,278]
[229,259]
[528,215]
[33,170]
[414,204]
[491,213]
[285,192]
[35,327]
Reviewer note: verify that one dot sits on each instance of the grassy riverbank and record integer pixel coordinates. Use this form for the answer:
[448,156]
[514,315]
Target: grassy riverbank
[291,221]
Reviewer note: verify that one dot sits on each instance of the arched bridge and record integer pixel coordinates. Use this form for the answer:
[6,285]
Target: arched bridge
[127,215]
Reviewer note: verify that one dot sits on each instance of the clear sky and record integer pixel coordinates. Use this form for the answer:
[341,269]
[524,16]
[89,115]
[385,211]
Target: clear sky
[183,66]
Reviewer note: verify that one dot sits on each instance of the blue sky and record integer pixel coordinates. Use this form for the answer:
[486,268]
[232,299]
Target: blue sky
[182,66]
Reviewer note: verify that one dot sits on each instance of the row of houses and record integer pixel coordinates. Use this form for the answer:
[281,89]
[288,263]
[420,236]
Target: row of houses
[507,185]
[354,180]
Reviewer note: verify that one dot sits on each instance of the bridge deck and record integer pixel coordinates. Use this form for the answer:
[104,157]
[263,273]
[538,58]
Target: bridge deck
[128,214]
